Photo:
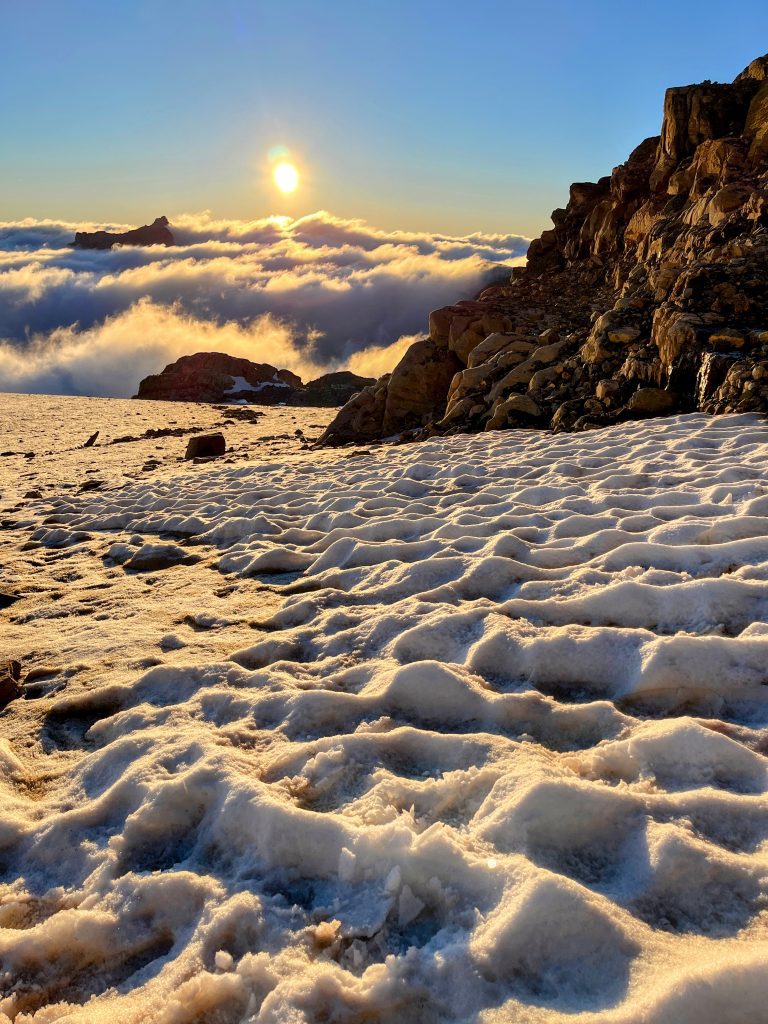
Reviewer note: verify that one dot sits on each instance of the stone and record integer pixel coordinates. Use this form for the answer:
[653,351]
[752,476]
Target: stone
[516,406]
[652,402]
[218,377]
[488,347]
[549,353]
[361,419]
[10,687]
[543,377]
[607,390]
[726,339]
[465,335]
[154,557]
[418,386]
[206,446]
[725,201]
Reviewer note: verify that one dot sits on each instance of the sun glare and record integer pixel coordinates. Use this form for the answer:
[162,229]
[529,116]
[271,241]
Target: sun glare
[286,177]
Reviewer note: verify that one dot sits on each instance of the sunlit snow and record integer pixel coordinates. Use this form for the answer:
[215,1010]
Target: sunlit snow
[466,730]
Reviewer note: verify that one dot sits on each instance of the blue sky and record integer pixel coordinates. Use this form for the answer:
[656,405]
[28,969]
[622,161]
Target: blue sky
[418,115]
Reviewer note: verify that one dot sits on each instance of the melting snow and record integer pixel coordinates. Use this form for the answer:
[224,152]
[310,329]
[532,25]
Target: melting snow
[492,752]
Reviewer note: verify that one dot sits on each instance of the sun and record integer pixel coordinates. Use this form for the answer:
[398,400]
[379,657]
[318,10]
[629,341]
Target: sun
[286,177]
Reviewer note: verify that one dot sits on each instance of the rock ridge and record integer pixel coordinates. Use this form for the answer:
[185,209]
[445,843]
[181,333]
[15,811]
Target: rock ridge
[649,295]
[156,233]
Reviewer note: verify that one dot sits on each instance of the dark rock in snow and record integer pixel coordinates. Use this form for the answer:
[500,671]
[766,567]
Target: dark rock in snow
[206,446]
[10,687]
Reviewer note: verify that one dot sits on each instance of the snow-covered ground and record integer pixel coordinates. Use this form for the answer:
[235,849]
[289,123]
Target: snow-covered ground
[468,730]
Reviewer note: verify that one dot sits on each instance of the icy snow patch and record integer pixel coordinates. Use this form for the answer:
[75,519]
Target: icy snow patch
[498,757]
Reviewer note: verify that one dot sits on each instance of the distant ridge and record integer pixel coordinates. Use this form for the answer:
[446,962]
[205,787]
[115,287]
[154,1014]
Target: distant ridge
[648,296]
[156,233]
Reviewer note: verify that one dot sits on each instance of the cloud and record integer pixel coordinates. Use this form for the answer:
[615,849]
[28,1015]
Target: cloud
[312,294]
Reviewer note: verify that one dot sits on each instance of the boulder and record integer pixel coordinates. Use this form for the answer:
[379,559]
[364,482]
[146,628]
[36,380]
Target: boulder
[652,402]
[155,557]
[517,407]
[206,446]
[10,686]
[217,377]
[418,387]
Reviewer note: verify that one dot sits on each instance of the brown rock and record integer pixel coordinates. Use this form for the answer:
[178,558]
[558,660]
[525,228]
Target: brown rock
[655,276]
[418,387]
[516,407]
[361,419]
[652,402]
[10,687]
[217,377]
[206,446]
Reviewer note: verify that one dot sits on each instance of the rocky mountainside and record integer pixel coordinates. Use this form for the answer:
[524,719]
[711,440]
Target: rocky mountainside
[156,233]
[649,295]
[216,377]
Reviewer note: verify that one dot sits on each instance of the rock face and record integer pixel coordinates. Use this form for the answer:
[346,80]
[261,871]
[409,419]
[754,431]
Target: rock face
[648,295]
[156,233]
[216,377]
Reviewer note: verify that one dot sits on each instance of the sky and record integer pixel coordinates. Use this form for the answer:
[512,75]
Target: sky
[423,116]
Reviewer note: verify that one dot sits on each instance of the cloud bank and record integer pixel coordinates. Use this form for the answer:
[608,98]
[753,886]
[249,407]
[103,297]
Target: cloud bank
[313,294]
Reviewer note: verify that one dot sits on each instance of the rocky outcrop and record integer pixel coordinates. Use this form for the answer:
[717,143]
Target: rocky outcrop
[217,377]
[648,295]
[331,389]
[156,233]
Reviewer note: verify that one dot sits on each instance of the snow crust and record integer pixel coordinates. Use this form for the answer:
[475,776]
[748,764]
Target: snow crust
[495,755]
[241,384]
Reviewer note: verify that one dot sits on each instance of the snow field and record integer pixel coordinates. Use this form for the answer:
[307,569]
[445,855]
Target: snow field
[498,757]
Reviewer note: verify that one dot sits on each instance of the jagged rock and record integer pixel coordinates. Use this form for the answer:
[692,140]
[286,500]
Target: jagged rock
[156,233]
[648,294]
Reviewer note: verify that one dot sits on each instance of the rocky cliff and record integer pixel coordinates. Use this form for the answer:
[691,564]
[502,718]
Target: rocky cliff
[156,233]
[217,377]
[648,295]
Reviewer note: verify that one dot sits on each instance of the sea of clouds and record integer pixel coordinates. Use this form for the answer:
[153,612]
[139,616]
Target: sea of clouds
[313,294]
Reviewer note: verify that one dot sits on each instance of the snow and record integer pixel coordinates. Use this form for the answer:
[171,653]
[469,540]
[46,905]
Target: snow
[241,384]
[468,730]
